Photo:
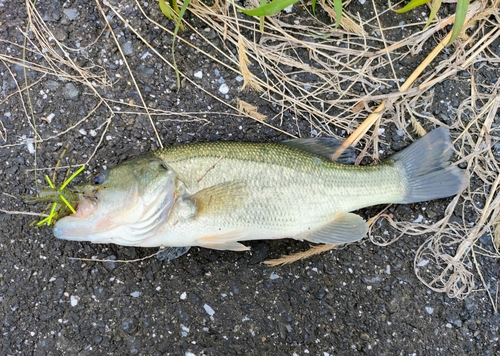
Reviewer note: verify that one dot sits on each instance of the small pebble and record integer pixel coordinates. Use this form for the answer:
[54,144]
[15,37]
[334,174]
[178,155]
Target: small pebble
[50,117]
[208,309]
[418,219]
[146,55]
[70,91]
[71,13]
[422,263]
[224,89]
[74,300]
[127,48]
[198,74]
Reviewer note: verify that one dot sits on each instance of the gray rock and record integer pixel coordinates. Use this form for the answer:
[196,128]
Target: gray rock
[127,48]
[70,91]
[71,13]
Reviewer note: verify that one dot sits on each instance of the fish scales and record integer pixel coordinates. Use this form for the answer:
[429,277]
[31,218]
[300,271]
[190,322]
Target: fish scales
[302,180]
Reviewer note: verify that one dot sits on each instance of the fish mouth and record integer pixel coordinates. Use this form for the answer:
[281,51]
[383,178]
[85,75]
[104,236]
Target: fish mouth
[73,226]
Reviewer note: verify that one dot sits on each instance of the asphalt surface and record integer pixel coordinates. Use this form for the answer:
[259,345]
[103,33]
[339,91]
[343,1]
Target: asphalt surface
[361,299]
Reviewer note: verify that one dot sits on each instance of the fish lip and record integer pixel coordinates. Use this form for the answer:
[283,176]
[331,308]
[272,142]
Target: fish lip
[86,207]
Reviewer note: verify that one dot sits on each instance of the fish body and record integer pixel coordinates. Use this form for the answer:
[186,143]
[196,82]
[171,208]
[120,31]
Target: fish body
[217,194]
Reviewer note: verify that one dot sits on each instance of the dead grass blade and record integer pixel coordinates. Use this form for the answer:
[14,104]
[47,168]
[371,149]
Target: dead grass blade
[314,250]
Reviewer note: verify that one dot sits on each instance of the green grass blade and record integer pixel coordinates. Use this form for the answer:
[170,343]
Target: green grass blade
[269,9]
[411,5]
[337,6]
[461,13]
[435,5]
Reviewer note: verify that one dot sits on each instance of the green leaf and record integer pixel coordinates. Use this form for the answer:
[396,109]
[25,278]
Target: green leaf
[173,5]
[411,5]
[269,9]
[313,5]
[167,10]
[461,13]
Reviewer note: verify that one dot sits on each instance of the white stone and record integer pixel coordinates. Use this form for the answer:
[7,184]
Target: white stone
[224,89]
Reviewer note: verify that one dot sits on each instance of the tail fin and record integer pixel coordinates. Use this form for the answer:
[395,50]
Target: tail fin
[426,166]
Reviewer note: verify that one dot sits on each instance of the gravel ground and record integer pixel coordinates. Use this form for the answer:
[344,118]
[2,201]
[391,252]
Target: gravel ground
[362,298]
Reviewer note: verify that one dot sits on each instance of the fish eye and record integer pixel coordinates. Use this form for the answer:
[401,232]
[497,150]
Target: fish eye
[97,178]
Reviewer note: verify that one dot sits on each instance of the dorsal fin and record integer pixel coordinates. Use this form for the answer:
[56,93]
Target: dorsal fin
[324,147]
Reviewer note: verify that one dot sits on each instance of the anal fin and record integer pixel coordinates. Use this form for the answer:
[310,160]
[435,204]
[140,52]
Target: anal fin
[344,228]
[228,241]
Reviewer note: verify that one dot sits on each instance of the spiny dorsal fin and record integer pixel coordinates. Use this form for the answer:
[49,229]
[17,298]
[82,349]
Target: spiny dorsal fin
[219,198]
[324,147]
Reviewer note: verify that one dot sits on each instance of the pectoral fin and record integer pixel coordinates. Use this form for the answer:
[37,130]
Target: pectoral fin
[228,241]
[344,228]
[219,198]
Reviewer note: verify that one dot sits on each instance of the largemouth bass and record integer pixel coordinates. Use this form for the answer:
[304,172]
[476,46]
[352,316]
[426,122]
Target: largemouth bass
[218,194]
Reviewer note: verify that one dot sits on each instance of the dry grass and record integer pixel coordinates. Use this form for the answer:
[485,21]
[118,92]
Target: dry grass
[329,77]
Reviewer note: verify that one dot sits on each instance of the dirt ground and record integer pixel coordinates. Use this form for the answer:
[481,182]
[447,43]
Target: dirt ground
[360,299]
